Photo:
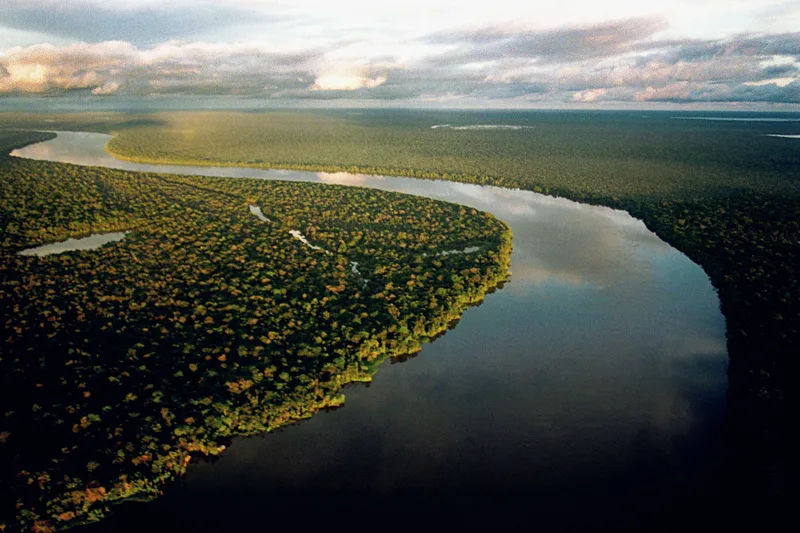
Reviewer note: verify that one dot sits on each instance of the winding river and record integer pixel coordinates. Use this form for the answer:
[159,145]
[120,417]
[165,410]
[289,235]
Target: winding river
[587,393]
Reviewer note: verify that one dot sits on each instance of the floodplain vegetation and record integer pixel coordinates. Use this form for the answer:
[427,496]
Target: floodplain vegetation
[120,364]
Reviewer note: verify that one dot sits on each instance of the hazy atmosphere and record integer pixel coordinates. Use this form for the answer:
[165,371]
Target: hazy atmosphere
[717,54]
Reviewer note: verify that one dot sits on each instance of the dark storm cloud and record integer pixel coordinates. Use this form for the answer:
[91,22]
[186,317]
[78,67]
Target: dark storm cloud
[93,23]
[436,81]
[219,80]
[767,93]
[785,44]
[675,51]
[780,44]
[721,92]
[779,71]
[509,90]
[557,45]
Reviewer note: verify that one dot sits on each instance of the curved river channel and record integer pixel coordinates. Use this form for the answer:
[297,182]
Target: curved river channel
[587,393]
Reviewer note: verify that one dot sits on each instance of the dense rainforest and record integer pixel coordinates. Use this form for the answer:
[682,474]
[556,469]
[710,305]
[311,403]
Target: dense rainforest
[726,193]
[231,307]
[728,197]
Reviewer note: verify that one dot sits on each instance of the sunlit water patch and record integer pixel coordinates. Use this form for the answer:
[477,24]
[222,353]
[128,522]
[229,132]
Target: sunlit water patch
[91,242]
[478,127]
[467,250]
[256,210]
[302,238]
[82,148]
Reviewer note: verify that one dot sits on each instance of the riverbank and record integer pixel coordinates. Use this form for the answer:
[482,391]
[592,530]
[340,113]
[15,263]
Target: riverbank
[203,324]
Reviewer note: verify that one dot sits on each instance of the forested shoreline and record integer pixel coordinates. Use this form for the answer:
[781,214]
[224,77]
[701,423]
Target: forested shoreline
[731,203]
[206,322]
[732,208]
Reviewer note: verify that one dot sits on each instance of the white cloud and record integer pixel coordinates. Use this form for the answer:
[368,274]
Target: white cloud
[47,68]
[107,67]
[674,91]
[345,82]
[483,65]
[106,89]
[589,95]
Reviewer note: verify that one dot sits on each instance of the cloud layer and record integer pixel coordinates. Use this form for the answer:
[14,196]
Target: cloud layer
[89,21]
[628,61]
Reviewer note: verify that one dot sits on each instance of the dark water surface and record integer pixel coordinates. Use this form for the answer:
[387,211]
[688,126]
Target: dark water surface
[587,393]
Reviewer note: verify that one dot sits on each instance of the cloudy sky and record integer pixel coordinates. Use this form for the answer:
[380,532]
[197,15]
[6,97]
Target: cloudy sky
[413,53]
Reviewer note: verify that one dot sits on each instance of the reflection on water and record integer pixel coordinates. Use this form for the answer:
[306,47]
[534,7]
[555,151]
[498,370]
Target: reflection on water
[302,238]
[256,210]
[465,251]
[589,389]
[88,149]
[91,242]
[481,127]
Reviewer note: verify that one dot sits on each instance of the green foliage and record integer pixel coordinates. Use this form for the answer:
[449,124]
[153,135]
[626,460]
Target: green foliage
[11,140]
[724,193]
[204,323]
[609,154]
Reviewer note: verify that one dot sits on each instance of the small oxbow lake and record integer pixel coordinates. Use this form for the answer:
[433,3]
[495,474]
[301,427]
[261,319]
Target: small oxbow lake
[92,242]
[588,392]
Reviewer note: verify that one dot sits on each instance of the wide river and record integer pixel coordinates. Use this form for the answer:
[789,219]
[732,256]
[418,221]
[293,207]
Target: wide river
[588,392]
